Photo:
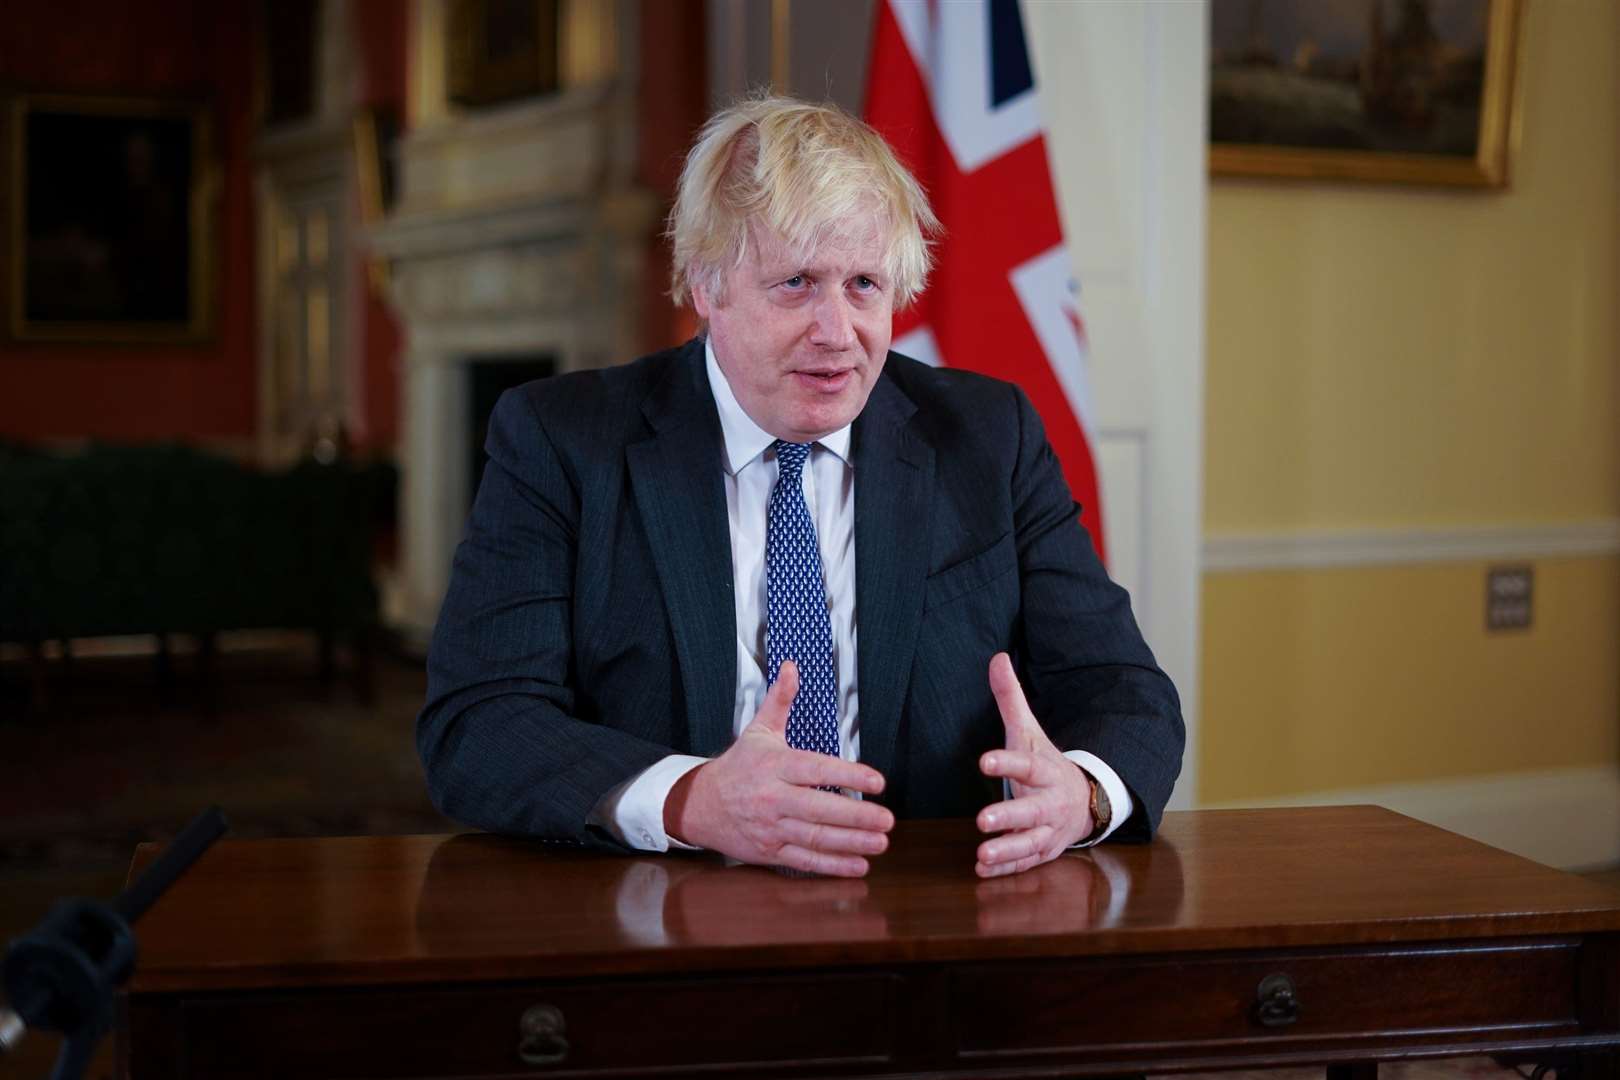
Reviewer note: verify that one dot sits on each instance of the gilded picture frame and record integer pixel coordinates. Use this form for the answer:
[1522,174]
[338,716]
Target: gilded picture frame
[1388,91]
[111,220]
[376,131]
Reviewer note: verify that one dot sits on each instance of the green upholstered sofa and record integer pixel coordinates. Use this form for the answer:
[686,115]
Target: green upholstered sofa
[123,540]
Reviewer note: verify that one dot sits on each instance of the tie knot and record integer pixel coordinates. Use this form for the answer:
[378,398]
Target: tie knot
[790,457]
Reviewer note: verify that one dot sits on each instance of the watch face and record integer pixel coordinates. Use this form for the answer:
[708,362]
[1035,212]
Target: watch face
[1101,811]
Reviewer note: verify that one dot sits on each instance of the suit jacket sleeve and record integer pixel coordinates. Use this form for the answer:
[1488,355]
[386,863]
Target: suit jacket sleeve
[499,739]
[1090,677]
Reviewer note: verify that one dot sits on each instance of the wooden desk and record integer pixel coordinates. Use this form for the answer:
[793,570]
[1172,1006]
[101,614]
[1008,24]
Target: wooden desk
[421,956]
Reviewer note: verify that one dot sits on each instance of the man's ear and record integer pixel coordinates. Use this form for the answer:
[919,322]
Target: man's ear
[700,299]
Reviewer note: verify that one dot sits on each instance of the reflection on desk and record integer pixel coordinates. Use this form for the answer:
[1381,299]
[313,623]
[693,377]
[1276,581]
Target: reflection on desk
[479,884]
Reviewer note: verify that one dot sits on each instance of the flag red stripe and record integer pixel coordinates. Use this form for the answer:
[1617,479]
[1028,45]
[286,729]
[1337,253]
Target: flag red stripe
[996,218]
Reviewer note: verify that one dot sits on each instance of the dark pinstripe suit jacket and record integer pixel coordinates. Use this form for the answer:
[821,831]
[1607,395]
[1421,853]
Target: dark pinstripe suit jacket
[589,627]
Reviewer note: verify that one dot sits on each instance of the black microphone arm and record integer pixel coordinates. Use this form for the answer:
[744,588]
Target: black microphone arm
[61,976]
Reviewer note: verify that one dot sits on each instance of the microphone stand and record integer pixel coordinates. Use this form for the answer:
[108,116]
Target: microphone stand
[62,975]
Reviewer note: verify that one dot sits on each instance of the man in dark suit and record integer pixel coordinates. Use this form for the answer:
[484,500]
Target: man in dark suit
[764,592]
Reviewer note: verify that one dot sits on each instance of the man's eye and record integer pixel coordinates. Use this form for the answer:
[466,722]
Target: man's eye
[865,284]
[795,282]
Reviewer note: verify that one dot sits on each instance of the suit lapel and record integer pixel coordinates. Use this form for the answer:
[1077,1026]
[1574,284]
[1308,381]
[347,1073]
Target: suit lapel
[894,477]
[680,492]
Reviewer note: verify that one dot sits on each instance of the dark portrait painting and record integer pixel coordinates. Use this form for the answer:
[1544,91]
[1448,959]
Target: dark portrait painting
[110,220]
[1379,89]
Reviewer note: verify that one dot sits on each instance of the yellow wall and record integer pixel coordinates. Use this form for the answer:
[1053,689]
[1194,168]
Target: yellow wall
[1391,358]
[1370,675]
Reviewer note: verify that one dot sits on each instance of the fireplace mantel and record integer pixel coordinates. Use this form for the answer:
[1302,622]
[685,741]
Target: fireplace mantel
[519,231]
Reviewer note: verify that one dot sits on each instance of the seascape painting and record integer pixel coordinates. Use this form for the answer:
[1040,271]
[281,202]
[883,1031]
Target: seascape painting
[1375,89]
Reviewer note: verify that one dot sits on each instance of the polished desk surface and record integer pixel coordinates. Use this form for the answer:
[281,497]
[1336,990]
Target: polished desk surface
[402,910]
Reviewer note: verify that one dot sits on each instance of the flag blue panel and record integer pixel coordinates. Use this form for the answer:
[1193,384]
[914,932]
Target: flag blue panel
[1010,73]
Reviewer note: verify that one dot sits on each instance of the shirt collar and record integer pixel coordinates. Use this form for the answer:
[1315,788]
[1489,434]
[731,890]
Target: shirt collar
[746,440]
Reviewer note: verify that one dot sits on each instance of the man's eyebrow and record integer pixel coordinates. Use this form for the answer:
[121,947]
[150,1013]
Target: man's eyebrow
[780,271]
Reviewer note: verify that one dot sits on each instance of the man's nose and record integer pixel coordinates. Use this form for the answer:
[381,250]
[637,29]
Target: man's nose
[834,326]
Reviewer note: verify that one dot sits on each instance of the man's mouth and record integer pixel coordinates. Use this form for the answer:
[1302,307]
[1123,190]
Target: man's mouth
[825,381]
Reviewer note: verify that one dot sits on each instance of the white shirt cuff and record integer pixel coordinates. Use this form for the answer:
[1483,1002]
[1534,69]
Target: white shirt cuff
[634,811]
[1119,796]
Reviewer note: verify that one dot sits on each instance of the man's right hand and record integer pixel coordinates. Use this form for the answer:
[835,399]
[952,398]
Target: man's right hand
[760,800]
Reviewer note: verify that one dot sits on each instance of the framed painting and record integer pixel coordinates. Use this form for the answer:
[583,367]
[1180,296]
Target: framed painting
[111,220]
[1396,91]
[501,50]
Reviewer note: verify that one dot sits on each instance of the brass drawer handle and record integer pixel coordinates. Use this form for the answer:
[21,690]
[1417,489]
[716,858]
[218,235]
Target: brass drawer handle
[543,1036]
[1278,1005]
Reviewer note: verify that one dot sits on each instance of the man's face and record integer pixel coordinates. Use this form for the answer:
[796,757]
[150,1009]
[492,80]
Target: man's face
[803,345]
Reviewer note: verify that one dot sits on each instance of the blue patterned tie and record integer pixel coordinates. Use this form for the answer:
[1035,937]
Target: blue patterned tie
[797,626]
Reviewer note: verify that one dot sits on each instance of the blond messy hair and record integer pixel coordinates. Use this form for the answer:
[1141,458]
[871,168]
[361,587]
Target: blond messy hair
[804,171]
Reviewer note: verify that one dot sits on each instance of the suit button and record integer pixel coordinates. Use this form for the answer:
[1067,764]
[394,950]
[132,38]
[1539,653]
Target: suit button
[646,838]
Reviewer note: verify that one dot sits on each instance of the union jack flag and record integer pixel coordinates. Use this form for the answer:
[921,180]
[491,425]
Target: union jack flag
[952,90]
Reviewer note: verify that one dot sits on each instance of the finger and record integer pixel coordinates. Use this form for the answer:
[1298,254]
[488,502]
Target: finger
[827,808]
[1036,770]
[773,714]
[1014,846]
[821,862]
[1014,708]
[816,836]
[810,769]
[1024,813]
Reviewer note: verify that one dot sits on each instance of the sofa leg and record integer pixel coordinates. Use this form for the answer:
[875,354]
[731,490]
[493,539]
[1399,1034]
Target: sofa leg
[39,680]
[326,657]
[63,703]
[164,665]
[365,665]
[208,668]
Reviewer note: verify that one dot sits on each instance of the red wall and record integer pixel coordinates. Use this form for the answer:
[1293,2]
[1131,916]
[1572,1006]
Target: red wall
[204,48]
[379,33]
[189,48]
[672,98]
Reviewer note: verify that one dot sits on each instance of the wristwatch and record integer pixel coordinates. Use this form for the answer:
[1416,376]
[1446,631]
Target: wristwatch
[1102,812]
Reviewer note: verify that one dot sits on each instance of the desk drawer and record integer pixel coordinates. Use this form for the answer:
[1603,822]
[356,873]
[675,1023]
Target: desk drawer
[1211,1003]
[641,1027]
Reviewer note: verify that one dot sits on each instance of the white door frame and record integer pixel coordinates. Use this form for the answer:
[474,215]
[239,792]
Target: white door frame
[1124,89]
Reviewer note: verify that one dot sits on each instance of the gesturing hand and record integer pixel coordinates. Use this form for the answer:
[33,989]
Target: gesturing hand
[759,801]
[1051,805]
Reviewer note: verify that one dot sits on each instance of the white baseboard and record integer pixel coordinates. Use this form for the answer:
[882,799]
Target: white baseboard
[1568,818]
[1232,552]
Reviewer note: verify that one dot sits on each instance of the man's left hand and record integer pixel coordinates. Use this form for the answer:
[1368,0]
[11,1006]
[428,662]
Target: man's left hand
[1050,810]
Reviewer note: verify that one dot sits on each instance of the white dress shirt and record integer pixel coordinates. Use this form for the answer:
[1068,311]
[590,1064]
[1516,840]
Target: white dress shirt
[634,811]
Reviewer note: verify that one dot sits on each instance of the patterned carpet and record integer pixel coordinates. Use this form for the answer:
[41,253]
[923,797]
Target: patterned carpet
[283,755]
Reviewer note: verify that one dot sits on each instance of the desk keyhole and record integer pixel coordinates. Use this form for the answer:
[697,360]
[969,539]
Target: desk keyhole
[543,1036]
